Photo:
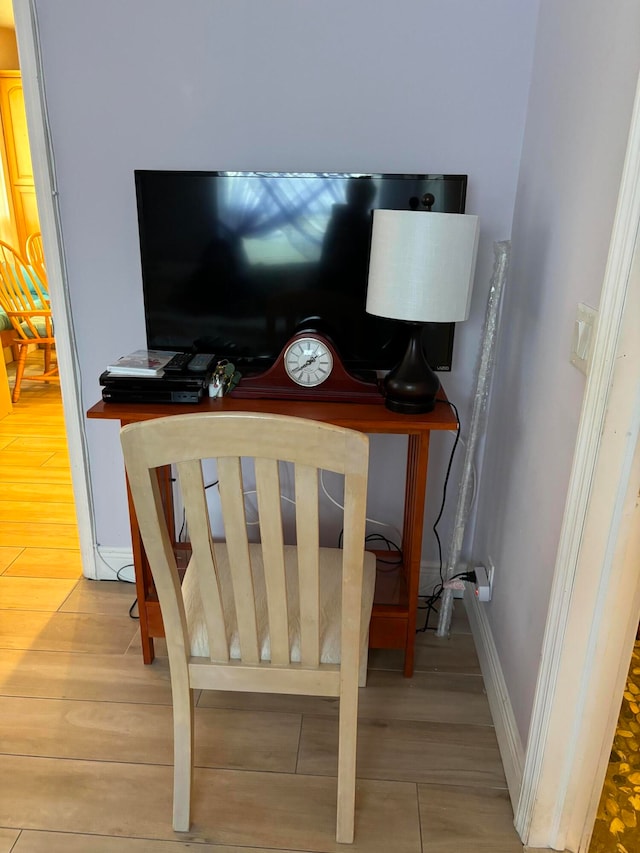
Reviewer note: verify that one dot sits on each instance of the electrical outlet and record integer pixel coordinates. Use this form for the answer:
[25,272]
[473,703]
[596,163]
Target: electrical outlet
[491,569]
[482,589]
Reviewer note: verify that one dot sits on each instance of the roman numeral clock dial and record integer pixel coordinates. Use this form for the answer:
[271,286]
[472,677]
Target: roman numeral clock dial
[308,362]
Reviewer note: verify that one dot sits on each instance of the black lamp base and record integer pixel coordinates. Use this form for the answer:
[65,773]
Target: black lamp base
[411,387]
[406,408]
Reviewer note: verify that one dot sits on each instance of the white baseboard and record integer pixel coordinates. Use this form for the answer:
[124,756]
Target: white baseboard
[114,564]
[111,561]
[509,741]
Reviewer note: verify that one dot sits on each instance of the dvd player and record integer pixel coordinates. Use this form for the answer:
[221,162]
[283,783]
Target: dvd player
[170,388]
[112,394]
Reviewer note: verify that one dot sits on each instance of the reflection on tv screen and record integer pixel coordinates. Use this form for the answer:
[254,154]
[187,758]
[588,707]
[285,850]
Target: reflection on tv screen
[236,262]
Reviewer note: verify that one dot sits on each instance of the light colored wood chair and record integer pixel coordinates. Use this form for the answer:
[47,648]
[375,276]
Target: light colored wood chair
[35,254]
[25,300]
[269,617]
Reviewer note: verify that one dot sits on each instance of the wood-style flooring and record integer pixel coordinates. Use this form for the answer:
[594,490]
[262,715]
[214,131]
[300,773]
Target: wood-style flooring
[85,727]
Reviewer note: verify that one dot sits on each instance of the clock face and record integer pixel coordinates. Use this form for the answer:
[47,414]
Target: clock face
[308,362]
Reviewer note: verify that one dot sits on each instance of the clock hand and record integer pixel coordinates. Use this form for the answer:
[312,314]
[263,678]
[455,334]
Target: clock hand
[306,364]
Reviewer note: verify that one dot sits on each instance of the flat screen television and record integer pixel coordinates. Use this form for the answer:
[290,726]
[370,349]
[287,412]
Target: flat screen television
[236,262]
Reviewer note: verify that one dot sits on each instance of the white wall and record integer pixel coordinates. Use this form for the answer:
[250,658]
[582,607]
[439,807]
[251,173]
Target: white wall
[584,78]
[369,85]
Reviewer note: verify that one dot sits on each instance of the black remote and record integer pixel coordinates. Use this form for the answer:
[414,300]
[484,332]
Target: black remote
[178,363]
[201,362]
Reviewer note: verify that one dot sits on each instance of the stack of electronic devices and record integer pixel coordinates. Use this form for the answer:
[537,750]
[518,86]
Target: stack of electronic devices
[158,376]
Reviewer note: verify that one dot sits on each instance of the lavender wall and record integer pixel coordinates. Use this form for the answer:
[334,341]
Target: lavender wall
[585,71]
[369,85]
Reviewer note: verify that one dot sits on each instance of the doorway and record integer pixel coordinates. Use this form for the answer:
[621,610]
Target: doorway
[25,23]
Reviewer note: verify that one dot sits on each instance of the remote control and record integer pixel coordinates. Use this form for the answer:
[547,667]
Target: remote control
[178,363]
[201,363]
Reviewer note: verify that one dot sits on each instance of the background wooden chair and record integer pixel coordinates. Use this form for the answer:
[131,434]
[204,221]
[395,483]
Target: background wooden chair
[25,300]
[266,617]
[35,254]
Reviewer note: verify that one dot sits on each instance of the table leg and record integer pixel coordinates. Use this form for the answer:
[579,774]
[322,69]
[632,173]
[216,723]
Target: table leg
[148,608]
[144,581]
[414,503]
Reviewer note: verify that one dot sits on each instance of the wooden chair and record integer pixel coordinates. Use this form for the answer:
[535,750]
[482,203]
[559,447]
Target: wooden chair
[266,617]
[35,254]
[25,300]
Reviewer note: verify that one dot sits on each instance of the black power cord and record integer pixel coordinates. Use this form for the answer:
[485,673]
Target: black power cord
[391,547]
[430,601]
[446,483]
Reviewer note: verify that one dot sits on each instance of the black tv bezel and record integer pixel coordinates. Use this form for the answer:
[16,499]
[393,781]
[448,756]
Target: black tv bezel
[444,331]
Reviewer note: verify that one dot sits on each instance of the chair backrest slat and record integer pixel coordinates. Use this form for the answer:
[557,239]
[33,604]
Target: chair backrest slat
[235,525]
[354,521]
[35,252]
[307,532]
[147,496]
[270,514]
[15,291]
[203,557]
[22,287]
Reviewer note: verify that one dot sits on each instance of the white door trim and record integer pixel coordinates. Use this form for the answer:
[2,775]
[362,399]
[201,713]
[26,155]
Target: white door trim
[595,596]
[47,196]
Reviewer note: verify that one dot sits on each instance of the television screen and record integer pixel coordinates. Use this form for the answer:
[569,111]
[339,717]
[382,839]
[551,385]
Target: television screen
[236,262]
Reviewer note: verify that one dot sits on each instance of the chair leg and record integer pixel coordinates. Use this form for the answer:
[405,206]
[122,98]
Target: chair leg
[47,358]
[348,727]
[182,757]
[364,663]
[22,358]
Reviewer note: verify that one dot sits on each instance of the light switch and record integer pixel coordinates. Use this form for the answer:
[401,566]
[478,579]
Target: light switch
[583,337]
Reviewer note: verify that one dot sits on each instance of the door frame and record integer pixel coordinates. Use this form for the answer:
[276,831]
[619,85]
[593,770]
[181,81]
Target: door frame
[42,156]
[595,597]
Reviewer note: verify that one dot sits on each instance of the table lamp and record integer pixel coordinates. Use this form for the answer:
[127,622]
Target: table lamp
[421,271]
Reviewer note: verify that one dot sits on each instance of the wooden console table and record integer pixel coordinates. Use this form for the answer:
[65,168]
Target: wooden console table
[393,621]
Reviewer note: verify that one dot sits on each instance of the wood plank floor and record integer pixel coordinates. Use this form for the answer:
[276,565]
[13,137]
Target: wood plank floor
[85,727]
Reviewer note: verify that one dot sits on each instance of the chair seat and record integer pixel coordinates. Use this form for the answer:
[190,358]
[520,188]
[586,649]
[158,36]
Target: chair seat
[330,603]
[40,325]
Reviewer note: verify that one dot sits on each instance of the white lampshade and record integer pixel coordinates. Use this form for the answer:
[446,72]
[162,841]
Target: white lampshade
[422,265]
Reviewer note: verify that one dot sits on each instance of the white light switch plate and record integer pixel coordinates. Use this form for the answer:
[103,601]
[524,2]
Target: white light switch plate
[583,337]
